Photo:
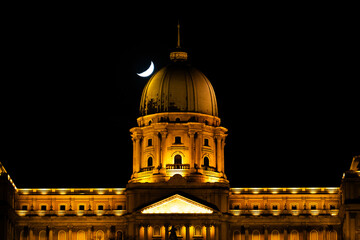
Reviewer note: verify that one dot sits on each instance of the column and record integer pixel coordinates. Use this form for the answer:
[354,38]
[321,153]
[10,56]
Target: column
[192,155]
[246,233]
[324,233]
[197,151]
[51,234]
[217,232]
[222,154]
[134,154]
[208,227]
[145,232]
[70,234]
[166,231]
[218,154]
[266,233]
[138,154]
[187,232]
[163,148]
[285,234]
[31,234]
[157,150]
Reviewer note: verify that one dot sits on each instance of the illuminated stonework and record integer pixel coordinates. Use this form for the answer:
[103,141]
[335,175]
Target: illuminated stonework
[177,204]
[178,182]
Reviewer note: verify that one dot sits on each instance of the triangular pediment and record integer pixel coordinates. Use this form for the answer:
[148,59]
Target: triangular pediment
[177,204]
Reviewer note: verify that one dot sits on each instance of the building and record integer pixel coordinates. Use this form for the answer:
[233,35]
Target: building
[179,182]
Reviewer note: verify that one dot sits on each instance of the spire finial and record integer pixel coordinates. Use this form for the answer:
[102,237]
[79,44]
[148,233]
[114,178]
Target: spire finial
[178,35]
[178,54]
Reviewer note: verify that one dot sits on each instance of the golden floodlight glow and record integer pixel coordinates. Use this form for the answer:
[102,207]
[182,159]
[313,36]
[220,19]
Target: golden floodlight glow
[177,204]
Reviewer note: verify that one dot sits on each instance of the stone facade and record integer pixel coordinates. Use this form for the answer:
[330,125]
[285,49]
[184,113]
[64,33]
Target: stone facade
[179,182]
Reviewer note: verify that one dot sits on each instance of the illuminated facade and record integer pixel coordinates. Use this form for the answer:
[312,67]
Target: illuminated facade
[179,181]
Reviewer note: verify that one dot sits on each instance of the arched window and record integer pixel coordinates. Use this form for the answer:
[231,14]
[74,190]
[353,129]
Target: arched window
[294,235]
[313,235]
[62,235]
[275,235]
[198,231]
[100,235]
[42,235]
[150,161]
[333,235]
[23,235]
[119,235]
[256,235]
[237,235]
[206,162]
[177,159]
[81,235]
[157,231]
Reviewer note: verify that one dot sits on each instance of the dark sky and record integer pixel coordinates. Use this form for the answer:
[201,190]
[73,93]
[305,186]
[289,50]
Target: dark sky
[285,81]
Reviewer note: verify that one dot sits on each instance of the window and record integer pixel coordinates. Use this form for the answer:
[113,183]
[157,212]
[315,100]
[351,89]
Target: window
[293,207]
[206,142]
[42,235]
[62,207]
[81,235]
[256,207]
[236,207]
[177,159]
[275,207]
[294,235]
[150,161]
[100,235]
[256,235]
[62,235]
[149,142]
[198,231]
[81,207]
[43,207]
[237,235]
[157,231]
[100,207]
[24,207]
[313,235]
[332,207]
[206,161]
[275,235]
[313,207]
[119,207]
[177,140]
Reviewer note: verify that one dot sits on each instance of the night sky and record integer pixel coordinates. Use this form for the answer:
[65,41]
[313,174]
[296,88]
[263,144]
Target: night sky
[286,82]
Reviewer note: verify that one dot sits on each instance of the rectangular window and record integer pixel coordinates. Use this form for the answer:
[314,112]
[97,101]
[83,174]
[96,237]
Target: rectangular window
[100,207]
[256,207]
[275,207]
[332,207]
[62,207]
[313,207]
[81,207]
[206,142]
[237,207]
[43,207]
[119,207]
[149,142]
[24,207]
[294,207]
[177,140]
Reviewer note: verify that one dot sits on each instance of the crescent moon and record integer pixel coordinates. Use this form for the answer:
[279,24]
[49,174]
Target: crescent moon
[148,72]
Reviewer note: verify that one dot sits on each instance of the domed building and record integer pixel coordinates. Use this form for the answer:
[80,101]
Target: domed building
[178,187]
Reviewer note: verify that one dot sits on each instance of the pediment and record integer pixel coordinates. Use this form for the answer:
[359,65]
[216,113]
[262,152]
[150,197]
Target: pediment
[177,204]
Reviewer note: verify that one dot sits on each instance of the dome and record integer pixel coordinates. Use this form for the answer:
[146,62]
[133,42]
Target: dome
[178,87]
